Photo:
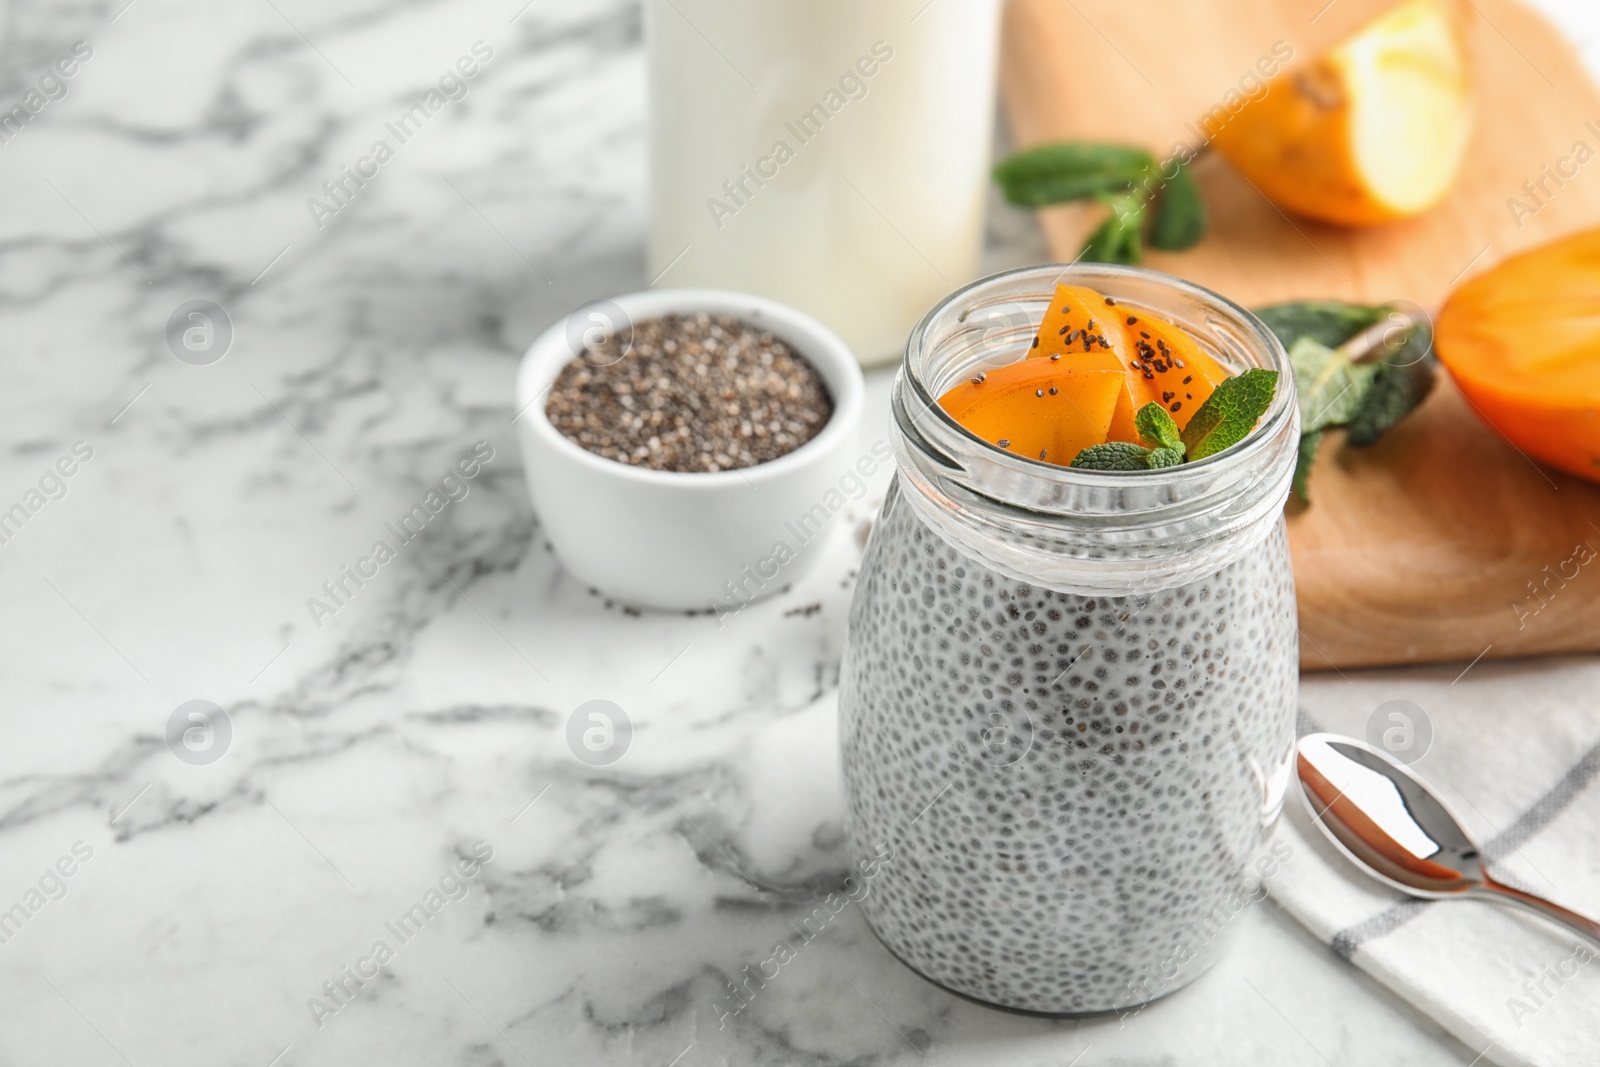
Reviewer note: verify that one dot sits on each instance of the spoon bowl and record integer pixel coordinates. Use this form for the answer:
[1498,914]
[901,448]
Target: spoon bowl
[1390,824]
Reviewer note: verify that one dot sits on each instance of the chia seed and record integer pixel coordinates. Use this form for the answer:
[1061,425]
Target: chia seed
[693,393]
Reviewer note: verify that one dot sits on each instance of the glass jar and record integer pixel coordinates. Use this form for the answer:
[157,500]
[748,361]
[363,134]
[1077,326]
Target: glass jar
[1068,696]
[832,154]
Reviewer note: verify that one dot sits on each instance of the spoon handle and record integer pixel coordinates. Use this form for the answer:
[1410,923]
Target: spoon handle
[1549,909]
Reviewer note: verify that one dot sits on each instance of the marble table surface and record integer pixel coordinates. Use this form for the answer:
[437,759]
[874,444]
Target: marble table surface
[209,883]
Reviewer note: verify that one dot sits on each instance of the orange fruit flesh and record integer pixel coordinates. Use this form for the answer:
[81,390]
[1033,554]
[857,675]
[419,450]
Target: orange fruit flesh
[1080,325]
[1522,342]
[1038,409]
[1170,368]
[1374,130]
[1089,371]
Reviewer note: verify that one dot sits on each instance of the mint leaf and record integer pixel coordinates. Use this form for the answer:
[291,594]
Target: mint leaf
[1401,382]
[1166,457]
[1180,219]
[1329,322]
[1328,386]
[1369,398]
[1117,238]
[1070,170]
[1302,465]
[1113,456]
[1230,412]
[1156,427]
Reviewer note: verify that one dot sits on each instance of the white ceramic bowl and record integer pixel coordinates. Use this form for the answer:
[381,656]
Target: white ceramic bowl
[662,539]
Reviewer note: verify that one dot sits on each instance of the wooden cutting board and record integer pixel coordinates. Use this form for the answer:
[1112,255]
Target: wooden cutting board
[1442,542]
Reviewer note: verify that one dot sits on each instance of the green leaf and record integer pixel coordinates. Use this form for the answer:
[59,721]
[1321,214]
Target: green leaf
[1117,239]
[1302,465]
[1369,398]
[1328,322]
[1070,170]
[1230,412]
[1166,457]
[1180,218]
[1156,427]
[1113,456]
[1329,387]
[1401,382]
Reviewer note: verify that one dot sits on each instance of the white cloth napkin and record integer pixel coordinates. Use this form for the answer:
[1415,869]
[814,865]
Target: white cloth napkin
[1515,753]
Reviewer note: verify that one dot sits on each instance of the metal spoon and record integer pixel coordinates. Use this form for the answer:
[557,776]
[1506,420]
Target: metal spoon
[1390,824]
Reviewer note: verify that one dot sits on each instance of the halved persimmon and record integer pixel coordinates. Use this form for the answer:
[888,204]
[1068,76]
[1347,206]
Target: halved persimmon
[1522,342]
[1374,130]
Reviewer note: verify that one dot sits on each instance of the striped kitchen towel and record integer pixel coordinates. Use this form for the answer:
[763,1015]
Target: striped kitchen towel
[1514,751]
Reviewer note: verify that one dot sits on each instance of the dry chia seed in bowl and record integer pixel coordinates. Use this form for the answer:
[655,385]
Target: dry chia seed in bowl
[691,393]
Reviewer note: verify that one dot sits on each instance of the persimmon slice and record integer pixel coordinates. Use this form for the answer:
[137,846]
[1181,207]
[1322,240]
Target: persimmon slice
[1081,327]
[1039,408]
[1080,323]
[1169,368]
[1522,342]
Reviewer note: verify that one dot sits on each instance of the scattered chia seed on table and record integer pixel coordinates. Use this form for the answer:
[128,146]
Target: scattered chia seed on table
[694,393]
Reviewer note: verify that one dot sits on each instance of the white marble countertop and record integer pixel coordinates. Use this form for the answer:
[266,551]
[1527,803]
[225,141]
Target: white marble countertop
[420,727]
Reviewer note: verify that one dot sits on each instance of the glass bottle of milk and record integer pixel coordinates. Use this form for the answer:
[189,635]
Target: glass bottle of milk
[831,154]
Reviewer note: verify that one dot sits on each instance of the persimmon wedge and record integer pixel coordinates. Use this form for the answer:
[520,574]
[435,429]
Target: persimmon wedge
[1168,368]
[1080,322]
[1522,342]
[1039,408]
[1080,328]
[1162,363]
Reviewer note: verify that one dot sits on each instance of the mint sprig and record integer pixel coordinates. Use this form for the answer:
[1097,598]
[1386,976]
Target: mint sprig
[1230,412]
[1165,457]
[1225,419]
[1330,386]
[1335,387]
[1137,188]
[1332,322]
[1070,170]
[1113,456]
[1402,382]
[1180,218]
[1156,428]
[1116,240]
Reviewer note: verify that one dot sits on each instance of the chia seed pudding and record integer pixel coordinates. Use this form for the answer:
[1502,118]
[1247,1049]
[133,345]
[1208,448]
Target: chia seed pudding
[1095,770]
[1075,783]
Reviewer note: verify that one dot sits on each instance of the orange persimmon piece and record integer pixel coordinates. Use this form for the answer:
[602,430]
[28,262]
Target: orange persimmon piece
[1522,341]
[1372,130]
[1039,408]
[1082,328]
[1080,322]
[1169,368]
